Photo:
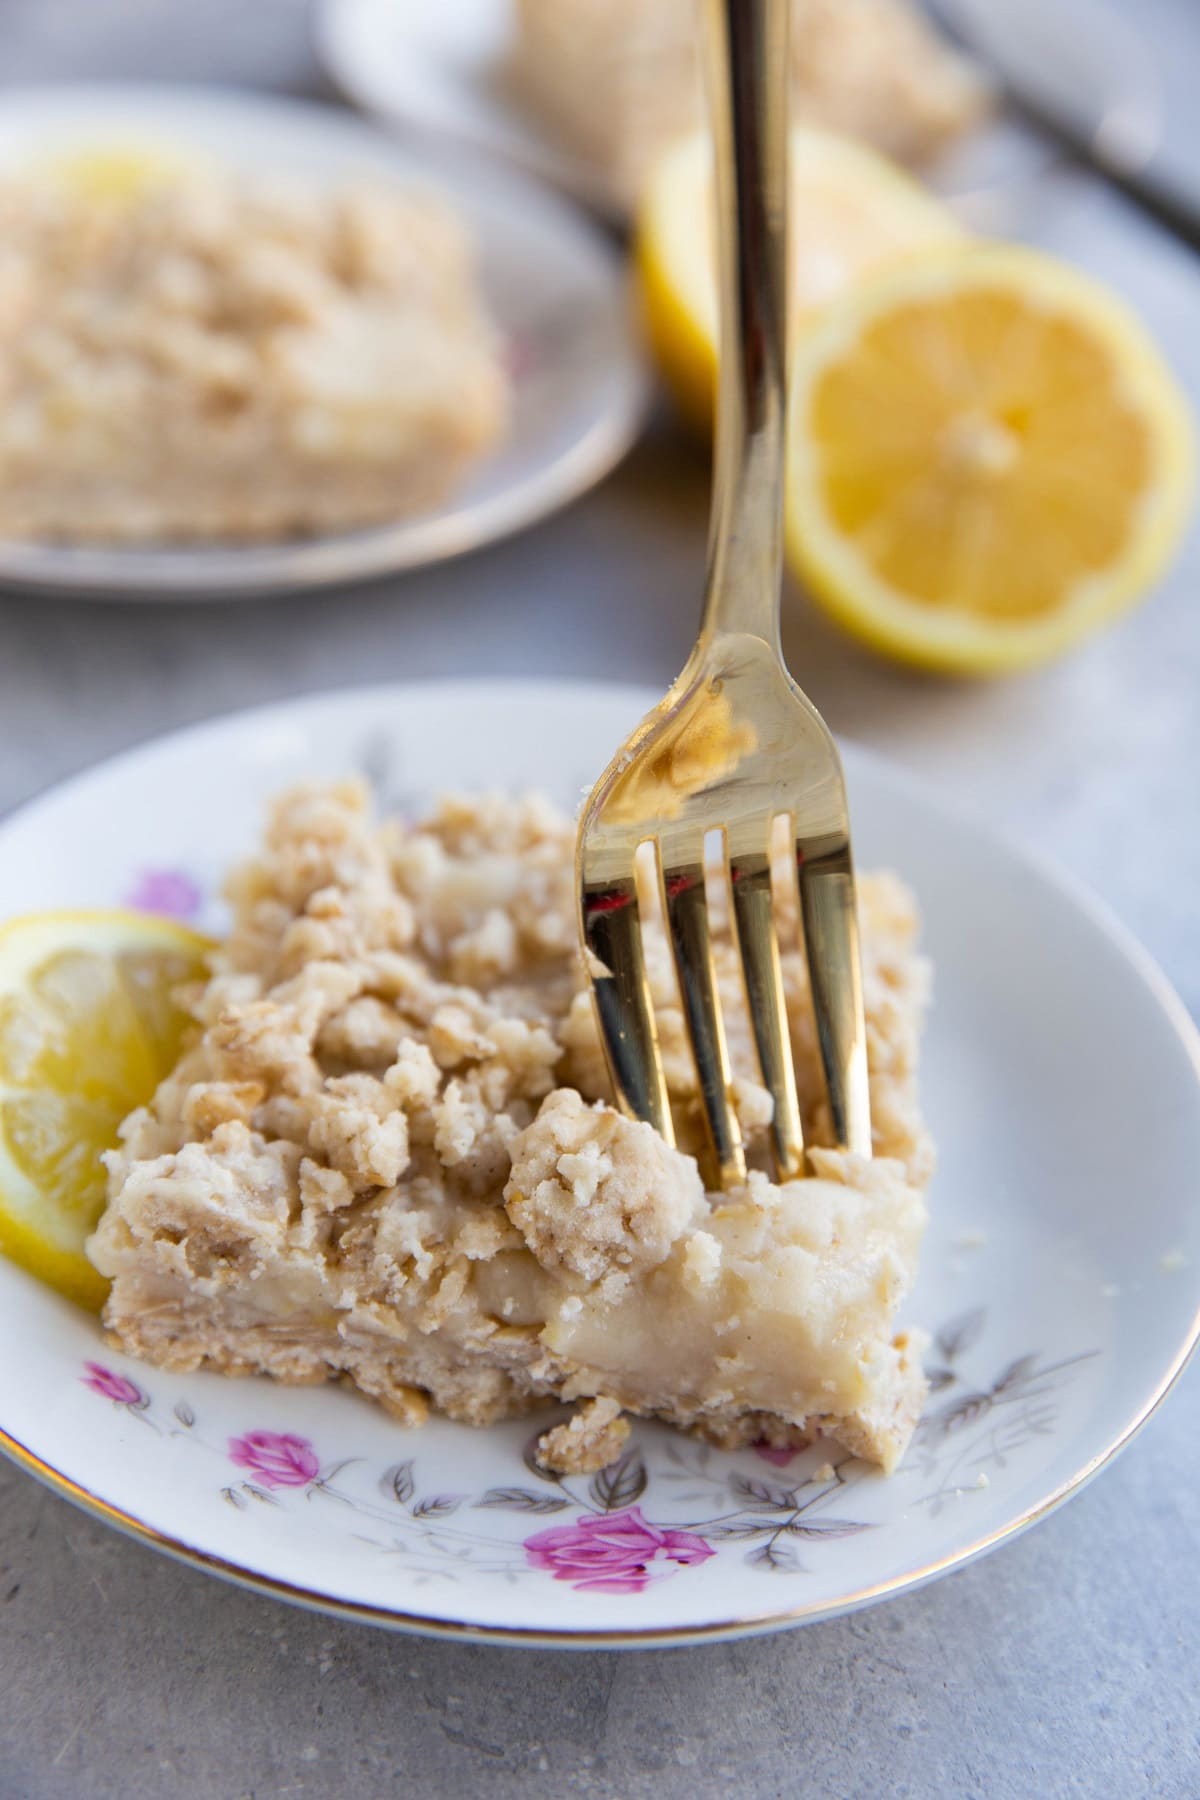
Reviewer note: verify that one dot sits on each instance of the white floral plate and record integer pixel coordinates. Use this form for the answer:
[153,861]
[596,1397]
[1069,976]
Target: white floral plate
[555,285]
[1060,1277]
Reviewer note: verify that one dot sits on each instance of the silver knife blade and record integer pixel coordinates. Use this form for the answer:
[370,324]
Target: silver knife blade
[1079,62]
[1086,73]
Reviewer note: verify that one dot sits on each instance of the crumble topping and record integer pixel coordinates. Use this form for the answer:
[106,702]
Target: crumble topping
[591,1440]
[596,1193]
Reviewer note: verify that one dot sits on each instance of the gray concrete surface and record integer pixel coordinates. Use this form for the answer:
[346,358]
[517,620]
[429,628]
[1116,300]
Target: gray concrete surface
[1065,1665]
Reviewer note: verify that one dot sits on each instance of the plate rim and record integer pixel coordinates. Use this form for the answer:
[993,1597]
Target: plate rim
[534,153]
[960,817]
[109,573]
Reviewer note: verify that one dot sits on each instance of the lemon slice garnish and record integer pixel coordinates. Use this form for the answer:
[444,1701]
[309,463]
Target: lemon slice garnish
[88,1028]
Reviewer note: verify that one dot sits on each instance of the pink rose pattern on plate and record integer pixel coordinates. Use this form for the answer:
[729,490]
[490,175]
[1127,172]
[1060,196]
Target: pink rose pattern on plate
[111,1386]
[276,1458]
[608,1545]
[780,1457]
[611,1553]
[170,892]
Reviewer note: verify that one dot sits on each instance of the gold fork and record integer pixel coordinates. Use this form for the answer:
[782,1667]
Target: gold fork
[735,744]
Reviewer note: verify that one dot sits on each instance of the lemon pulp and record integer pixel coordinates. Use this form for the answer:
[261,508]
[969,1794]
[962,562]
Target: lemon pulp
[88,1028]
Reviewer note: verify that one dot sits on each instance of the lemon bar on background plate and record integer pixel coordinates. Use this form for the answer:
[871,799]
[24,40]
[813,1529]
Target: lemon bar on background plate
[195,354]
[387,1154]
[617,81]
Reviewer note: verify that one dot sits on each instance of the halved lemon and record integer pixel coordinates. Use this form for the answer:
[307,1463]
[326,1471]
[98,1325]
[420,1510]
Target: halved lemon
[88,1028]
[852,211]
[987,459]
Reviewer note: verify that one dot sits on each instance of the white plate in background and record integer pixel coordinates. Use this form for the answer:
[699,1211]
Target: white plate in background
[1060,1277]
[555,285]
[440,70]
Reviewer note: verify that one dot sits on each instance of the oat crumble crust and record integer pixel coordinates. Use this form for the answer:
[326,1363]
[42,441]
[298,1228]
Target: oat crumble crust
[388,1156]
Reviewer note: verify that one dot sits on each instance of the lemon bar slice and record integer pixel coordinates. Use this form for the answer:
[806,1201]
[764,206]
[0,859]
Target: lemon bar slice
[617,81]
[208,356]
[388,1154]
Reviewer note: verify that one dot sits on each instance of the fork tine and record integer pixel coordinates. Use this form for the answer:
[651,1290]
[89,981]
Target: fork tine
[687,916]
[750,878]
[621,993]
[830,920]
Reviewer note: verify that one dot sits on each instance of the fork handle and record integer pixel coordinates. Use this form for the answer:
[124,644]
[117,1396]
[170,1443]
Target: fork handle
[747,43]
